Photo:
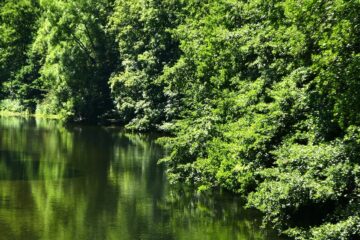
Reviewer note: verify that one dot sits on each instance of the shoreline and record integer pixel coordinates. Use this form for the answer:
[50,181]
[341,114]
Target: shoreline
[27,114]
[107,123]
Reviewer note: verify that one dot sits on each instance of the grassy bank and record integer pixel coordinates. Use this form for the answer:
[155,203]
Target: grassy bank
[5,113]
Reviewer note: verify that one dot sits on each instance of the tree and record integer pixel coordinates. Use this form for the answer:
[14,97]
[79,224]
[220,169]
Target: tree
[18,24]
[79,58]
[146,46]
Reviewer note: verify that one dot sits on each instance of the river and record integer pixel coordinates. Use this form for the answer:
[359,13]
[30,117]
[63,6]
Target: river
[89,182]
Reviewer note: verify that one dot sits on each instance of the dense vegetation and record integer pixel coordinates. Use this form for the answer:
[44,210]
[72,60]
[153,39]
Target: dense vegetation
[261,97]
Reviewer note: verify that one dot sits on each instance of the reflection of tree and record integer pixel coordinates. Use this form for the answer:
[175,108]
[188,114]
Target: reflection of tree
[113,175]
[29,150]
[100,183]
[211,216]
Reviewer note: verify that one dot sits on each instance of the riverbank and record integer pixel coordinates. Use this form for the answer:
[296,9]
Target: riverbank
[28,114]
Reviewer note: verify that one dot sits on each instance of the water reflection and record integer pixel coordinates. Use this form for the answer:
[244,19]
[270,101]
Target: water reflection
[102,183]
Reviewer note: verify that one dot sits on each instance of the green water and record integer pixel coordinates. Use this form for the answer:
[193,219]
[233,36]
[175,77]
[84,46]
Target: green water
[86,183]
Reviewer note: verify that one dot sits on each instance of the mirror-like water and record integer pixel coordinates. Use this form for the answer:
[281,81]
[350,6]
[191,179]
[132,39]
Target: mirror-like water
[89,183]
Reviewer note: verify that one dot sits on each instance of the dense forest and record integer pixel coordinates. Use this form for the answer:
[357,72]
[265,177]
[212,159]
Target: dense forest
[259,97]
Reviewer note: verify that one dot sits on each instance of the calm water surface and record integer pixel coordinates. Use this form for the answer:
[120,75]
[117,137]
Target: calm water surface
[87,183]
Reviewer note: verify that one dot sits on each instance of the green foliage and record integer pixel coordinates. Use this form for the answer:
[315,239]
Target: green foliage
[78,58]
[8,105]
[304,177]
[18,22]
[146,46]
[273,79]
[259,97]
